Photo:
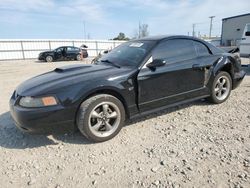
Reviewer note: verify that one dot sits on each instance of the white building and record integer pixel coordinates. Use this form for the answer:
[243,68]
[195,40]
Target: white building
[232,29]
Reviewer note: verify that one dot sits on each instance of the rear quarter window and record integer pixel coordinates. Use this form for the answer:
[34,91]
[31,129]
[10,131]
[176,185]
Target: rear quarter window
[201,49]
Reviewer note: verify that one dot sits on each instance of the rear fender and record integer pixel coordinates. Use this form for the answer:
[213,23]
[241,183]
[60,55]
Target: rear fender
[221,63]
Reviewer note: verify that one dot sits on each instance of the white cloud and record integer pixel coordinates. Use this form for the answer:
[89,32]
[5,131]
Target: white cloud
[26,5]
[177,17]
[163,16]
[81,8]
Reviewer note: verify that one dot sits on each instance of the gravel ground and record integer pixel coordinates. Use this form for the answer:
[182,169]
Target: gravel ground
[192,145]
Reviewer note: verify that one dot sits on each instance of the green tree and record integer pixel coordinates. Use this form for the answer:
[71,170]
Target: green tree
[121,36]
[144,30]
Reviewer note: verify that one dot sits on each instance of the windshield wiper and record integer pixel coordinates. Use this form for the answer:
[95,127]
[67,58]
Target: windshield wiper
[112,63]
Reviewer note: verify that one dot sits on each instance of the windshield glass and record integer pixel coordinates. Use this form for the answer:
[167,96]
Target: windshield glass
[128,54]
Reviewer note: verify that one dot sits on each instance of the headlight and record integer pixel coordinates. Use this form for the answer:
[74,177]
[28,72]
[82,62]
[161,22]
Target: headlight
[31,102]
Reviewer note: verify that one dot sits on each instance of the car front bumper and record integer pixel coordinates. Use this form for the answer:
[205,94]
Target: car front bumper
[41,58]
[42,120]
[238,77]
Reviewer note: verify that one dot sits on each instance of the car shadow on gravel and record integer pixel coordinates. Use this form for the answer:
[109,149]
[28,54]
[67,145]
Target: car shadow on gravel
[13,138]
[246,69]
[169,110]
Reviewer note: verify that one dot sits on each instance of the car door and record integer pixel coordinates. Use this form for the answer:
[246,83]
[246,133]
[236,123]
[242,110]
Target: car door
[59,53]
[176,81]
[71,52]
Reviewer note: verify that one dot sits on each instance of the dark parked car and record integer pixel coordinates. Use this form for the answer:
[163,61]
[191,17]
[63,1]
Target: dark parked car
[134,79]
[63,53]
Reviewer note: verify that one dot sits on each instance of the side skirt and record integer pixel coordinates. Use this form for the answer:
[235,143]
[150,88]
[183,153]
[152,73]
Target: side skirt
[167,106]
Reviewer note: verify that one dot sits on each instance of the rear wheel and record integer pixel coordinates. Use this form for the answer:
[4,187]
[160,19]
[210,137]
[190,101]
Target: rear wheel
[221,88]
[78,57]
[101,117]
[49,58]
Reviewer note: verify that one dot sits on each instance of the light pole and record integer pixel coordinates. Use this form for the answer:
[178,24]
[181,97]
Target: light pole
[84,29]
[193,33]
[139,34]
[211,25]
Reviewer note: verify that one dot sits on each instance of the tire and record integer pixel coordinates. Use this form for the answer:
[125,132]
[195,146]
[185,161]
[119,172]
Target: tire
[49,58]
[221,88]
[100,117]
[78,57]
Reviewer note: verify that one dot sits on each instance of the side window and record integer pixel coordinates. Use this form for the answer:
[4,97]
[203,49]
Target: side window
[58,50]
[201,49]
[175,50]
[248,27]
[76,49]
[70,49]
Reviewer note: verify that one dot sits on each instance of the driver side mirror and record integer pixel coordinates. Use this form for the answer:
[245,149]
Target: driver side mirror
[156,63]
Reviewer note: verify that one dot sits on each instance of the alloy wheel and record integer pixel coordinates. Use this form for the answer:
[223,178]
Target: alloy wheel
[104,119]
[49,59]
[222,88]
[78,57]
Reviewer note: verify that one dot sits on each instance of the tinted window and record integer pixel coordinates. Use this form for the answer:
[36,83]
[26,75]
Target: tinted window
[71,49]
[59,50]
[201,49]
[214,49]
[248,27]
[175,50]
[76,49]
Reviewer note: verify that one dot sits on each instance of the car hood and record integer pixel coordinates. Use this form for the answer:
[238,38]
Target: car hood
[66,76]
[47,52]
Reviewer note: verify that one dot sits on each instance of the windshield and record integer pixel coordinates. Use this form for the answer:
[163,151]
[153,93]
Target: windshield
[128,54]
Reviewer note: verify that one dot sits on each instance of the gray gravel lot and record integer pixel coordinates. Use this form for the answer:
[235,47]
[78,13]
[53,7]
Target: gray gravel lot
[192,145]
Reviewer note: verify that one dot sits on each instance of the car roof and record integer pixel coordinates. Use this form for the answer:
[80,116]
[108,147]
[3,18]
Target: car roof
[68,46]
[163,37]
[159,38]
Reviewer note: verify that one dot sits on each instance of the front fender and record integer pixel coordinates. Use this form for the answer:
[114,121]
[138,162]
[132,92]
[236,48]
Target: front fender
[124,88]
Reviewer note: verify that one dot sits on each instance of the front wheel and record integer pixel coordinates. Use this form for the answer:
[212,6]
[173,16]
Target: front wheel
[101,117]
[49,58]
[221,88]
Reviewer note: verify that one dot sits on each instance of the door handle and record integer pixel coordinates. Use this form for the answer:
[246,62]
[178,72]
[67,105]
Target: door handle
[197,67]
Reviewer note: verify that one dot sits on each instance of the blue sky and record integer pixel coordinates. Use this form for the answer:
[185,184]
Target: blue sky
[63,19]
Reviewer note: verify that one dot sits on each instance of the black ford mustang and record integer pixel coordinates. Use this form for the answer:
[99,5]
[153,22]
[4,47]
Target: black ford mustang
[136,78]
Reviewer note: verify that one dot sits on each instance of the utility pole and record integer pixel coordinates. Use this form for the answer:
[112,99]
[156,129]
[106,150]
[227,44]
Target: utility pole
[193,33]
[211,25]
[139,34]
[84,29]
